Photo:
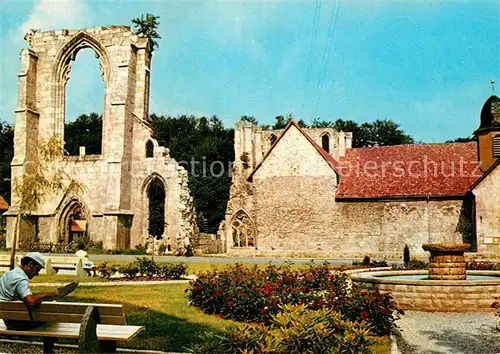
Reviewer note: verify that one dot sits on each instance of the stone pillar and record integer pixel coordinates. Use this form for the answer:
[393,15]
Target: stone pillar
[447,261]
[342,141]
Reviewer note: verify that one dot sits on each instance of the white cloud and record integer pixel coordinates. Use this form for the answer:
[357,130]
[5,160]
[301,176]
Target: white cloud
[52,14]
[44,15]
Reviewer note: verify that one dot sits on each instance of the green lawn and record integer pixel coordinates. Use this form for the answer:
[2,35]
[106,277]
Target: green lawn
[171,324]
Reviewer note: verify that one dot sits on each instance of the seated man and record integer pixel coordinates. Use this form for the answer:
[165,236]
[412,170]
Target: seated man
[14,286]
[87,264]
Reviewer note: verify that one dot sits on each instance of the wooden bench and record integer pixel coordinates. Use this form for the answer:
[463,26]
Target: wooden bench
[98,327]
[54,263]
[5,260]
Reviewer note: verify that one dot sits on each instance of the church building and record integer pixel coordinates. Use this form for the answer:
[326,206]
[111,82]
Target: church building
[307,192]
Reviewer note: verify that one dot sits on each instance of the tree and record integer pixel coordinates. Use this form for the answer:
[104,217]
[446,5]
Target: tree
[462,140]
[147,27]
[249,119]
[86,131]
[6,154]
[281,121]
[379,133]
[382,133]
[36,181]
[205,148]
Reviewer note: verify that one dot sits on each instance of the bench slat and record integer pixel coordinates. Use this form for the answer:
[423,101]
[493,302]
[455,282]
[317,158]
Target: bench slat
[56,306]
[72,330]
[61,312]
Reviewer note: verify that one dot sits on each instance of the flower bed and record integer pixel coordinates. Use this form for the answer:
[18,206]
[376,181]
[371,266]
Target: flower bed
[256,295]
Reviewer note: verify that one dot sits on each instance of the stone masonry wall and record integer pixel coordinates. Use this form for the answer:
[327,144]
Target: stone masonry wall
[488,213]
[300,214]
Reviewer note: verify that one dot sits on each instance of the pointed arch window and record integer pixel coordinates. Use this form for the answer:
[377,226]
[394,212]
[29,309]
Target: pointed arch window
[242,230]
[149,149]
[496,145]
[325,142]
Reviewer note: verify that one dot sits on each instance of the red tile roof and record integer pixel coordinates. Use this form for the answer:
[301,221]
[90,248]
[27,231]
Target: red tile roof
[408,171]
[3,204]
[328,158]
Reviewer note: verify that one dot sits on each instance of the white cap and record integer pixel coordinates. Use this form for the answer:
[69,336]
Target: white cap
[37,257]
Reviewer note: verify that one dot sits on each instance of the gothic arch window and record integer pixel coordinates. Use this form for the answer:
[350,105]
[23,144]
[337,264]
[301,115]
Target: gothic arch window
[149,149]
[242,230]
[272,139]
[496,145]
[325,142]
[61,74]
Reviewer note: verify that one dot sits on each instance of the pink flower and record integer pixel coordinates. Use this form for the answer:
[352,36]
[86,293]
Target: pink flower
[364,315]
[384,310]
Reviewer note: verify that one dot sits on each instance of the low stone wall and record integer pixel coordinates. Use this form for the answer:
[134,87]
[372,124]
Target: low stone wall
[436,295]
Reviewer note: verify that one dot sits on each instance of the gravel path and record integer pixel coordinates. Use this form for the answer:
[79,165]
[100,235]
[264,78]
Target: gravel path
[454,333]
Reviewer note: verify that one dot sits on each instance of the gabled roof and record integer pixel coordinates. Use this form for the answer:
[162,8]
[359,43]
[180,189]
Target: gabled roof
[425,170]
[3,204]
[328,158]
[488,171]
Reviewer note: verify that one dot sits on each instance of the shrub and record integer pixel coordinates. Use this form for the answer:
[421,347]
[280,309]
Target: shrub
[146,266]
[476,265]
[172,270]
[369,263]
[406,256]
[255,295]
[416,264]
[296,329]
[130,270]
[105,270]
[139,250]
[371,306]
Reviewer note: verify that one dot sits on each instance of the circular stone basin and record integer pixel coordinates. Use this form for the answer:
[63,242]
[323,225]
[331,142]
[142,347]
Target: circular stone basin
[413,290]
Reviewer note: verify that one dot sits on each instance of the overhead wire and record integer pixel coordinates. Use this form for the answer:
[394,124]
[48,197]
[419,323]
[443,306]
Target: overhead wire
[314,35]
[329,44]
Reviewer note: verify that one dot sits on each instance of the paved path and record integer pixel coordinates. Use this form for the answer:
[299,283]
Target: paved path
[453,333]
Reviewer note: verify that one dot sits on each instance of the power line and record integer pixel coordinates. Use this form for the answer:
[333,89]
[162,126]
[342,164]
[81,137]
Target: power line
[314,36]
[329,45]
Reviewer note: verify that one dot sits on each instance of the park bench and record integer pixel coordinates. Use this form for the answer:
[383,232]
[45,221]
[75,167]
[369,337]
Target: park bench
[5,260]
[98,327]
[54,263]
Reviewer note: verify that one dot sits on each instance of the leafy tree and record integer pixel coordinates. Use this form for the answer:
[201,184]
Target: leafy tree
[147,27]
[86,131]
[383,133]
[380,132]
[6,154]
[35,182]
[281,121]
[462,140]
[205,148]
[249,119]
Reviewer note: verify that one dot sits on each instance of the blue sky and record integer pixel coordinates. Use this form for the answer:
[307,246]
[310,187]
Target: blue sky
[426,65]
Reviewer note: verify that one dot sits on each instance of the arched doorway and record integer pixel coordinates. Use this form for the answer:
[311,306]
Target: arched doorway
[73,223]
[156,208]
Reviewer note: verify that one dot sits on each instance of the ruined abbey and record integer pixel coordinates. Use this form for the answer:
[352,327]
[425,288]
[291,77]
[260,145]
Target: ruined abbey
[104,196]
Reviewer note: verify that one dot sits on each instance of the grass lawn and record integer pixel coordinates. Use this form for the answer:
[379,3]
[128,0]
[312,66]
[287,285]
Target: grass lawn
[171,324]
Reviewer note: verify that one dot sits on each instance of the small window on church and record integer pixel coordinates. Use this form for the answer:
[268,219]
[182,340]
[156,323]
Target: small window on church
[325,142]
[149,149]
[496,145]
[272,139]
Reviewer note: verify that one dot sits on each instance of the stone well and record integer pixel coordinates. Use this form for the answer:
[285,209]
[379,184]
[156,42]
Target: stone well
[447,261]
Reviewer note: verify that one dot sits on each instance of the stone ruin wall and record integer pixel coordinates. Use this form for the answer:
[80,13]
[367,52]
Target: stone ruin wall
[111,186]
